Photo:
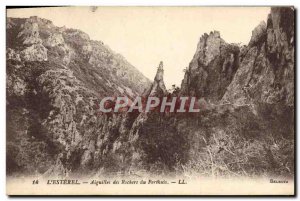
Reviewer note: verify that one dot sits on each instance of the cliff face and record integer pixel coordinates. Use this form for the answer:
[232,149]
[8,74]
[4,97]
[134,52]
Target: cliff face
[266,72]
[252,123]
[212,68]
[55,76]
[92,62]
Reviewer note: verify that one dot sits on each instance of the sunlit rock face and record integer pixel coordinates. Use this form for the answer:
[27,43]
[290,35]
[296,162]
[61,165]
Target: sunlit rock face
[212,68]
[36,52]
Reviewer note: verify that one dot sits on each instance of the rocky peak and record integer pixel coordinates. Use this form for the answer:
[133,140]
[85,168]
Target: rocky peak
[35,29]
[40,21]
[36,39]
[209,47]
[280,34]
[212,67]
[258,34]
[158,87]
[160,73]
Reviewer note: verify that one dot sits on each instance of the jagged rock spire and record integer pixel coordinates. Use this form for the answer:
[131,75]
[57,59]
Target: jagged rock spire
[160,73]
[158,87]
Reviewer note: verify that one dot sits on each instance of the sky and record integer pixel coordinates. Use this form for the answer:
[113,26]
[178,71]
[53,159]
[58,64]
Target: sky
[147,35]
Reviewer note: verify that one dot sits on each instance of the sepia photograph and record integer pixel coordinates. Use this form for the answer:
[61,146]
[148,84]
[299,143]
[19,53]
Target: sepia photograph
[150,100]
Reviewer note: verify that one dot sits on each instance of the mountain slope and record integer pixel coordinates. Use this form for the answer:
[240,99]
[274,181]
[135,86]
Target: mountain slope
[246,123]
[55,77]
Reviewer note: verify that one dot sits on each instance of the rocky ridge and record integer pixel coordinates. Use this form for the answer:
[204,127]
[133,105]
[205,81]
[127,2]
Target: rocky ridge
[55,77]
[214,63]
[255,102]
